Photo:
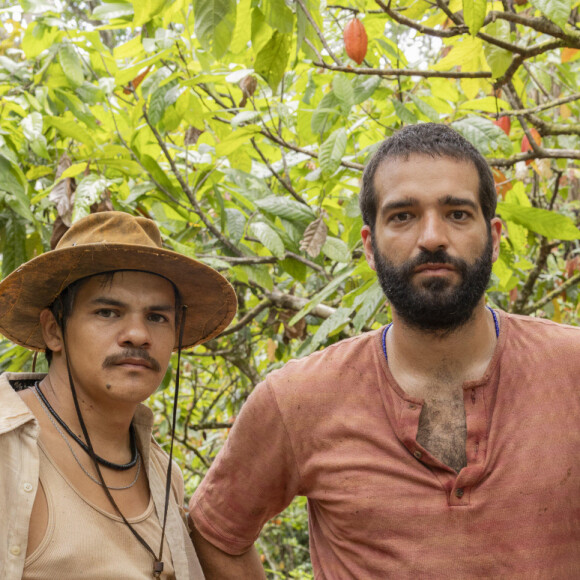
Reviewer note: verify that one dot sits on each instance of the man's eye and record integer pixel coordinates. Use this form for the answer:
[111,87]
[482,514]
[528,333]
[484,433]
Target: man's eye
[106,313]
[459,214]
[154,317]
[401,217]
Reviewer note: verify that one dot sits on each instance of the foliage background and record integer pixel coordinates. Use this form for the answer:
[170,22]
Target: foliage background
[242,129]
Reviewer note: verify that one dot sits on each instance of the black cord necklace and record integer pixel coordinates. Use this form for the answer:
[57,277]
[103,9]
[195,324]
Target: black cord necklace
[104,462]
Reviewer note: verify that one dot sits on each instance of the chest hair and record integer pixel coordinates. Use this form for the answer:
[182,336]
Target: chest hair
[442,429]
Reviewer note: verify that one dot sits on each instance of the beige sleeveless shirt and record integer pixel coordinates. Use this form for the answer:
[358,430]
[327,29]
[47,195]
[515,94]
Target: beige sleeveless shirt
[76,526]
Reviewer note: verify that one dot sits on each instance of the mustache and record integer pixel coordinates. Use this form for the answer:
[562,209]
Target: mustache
[436,257]
[115,359]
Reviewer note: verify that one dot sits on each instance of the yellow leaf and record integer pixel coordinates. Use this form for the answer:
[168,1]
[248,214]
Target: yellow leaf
[557,312]
[271,350]
[569,54]
[565,111]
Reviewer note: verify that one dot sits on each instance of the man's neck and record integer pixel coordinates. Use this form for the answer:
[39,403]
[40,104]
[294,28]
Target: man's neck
[443,356]
[108,426]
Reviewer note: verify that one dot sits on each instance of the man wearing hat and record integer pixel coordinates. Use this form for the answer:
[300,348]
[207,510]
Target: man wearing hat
[86,491]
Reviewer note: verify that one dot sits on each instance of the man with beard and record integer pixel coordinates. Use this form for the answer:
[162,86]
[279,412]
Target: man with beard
[443,445]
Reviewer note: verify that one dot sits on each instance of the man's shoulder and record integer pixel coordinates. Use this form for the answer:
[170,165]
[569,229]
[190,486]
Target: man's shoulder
[327,366]
[542,328]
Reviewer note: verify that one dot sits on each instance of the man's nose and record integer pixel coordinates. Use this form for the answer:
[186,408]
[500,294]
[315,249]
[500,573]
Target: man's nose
[433,234]
[135,332]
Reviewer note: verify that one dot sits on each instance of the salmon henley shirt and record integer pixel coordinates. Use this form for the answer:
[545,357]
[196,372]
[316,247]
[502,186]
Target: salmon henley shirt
[337,428]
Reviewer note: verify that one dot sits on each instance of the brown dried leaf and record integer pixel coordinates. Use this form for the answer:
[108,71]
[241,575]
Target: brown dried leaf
[192,135]
[248,85]
[58,230]
[62,194]
[314,237]
[297,330]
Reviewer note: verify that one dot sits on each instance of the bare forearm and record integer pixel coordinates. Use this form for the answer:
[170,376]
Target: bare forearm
[217,565]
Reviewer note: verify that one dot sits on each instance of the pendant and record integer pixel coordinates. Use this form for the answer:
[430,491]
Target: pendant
[157,569]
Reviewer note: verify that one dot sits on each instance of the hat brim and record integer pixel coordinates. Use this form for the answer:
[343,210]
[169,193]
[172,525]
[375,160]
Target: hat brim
[210,299]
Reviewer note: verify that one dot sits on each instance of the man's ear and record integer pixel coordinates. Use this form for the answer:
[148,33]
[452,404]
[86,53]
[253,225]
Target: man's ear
[367,238]
[495,237]
[51,332]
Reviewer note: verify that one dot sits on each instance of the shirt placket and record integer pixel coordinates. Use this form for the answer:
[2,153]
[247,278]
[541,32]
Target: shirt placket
[457,486]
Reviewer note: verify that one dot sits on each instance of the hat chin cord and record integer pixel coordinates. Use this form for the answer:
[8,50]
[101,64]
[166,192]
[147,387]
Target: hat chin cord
[158,560]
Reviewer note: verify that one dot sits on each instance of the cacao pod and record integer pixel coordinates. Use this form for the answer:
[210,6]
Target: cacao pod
[355,40]
[505,124]
[526,142]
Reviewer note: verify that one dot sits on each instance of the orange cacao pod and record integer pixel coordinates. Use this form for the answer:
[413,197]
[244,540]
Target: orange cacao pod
[355,40]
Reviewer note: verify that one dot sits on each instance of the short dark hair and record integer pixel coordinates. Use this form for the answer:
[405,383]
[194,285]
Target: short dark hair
[434,140]
[62,306]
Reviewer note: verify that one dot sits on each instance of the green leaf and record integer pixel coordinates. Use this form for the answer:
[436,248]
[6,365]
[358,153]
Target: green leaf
[336,249]
[484,135]
[112,11]
[278,15]
[425,108]
[32,130]
[236,223]
[37,6]
[88,191]
[474,12]
[215,21]
[331,152]
[14,245]
[343,89]
[550,224]
[157,173]
[295,268]
[337,319]
[39,37]
[13,182]
[67,127]
[269,238]
[320,296]
[259,274]
[157,104]
[71,64]
[365,88]
[370,302]
[236,139]
[498,58]
[325,114]
[403,113]
[286,208]
[271,61]
[558,11]
[145,10]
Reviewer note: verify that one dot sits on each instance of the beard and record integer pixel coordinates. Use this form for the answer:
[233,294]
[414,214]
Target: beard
[436,304]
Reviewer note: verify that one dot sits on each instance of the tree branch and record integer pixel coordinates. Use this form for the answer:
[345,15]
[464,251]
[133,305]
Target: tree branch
[286,184]
[295,303]
[551,295]
[386,72]
[527,289]
[210,425]
[247,318]
[186,189]
[318,31]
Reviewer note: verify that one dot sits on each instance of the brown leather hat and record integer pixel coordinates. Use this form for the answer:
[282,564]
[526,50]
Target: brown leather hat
[107,242]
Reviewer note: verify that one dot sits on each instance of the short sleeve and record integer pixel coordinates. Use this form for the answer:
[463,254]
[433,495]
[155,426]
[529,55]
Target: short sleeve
[253,478]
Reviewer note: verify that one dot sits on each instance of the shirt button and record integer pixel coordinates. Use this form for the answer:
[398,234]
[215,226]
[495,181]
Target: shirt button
[417,454]
[459,492]
[28,487]
[15,550]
